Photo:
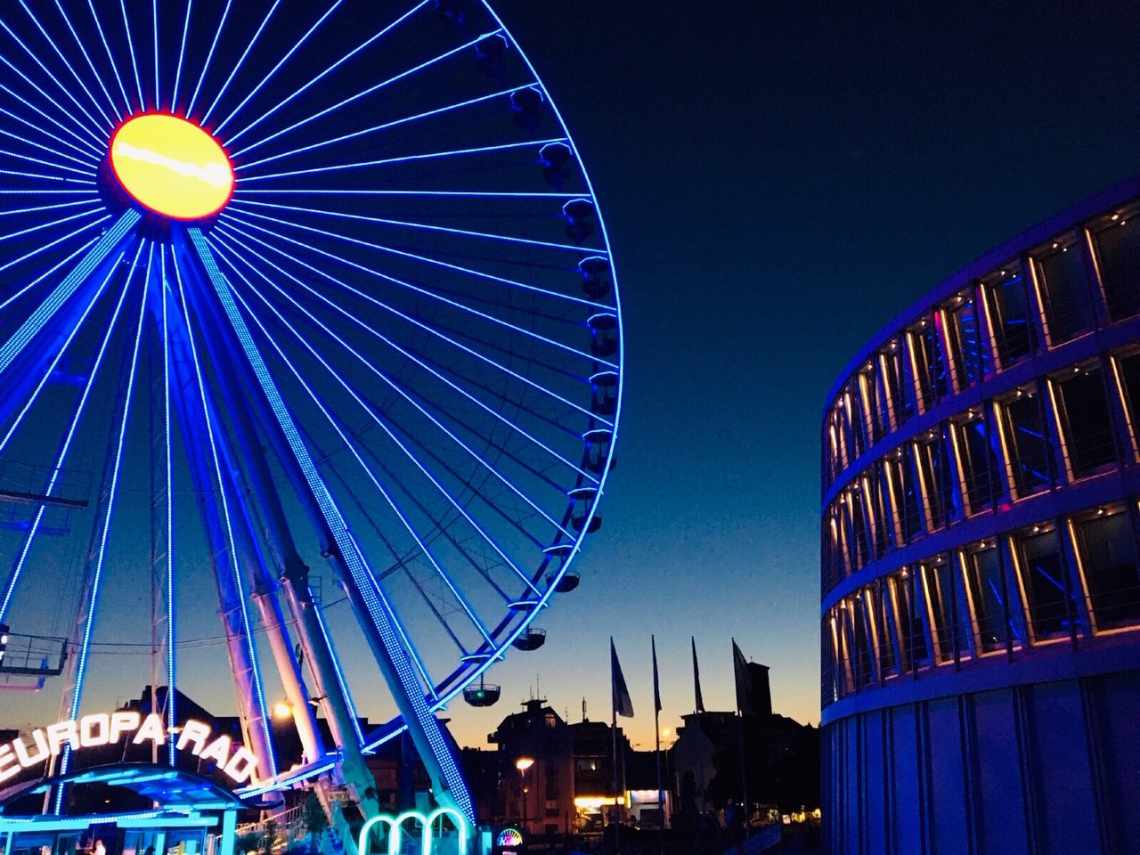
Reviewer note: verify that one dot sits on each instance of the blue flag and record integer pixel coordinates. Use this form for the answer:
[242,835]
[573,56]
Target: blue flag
[623,703]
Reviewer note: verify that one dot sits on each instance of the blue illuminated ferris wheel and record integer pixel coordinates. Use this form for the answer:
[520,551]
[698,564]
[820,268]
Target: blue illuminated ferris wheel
[308,320]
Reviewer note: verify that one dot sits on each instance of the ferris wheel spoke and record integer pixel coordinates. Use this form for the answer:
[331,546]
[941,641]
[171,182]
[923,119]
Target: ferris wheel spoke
[181,57]
[455,304]
[90,165]
[51,224]
[494,507]
[112,494]
[390,161]
[9,212]
[400,561]
[63,292]
[154,40]
[87,57]
[394,123]
[382,626]
[230,583]
[436,520]
[462,423]
[168,461]
[50,163]
[427,227]
[45,247]
[364,93]
[134,57]
[67,64]
[370,411]
[280,63]
[210,56]
[435,262]
[411,356]
[72,131]
[327,71]
[338,671]
[55,360]
[18,173]
[51,76]
[241,60]
[87,157]
[17,569]
[110,56]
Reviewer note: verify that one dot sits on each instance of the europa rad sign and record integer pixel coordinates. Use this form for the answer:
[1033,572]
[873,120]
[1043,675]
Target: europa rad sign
[236,762]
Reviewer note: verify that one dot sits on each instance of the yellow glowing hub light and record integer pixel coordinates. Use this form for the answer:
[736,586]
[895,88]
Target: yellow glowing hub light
[172,167]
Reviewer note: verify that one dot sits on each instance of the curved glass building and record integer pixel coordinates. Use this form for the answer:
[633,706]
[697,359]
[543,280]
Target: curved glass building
[980,582]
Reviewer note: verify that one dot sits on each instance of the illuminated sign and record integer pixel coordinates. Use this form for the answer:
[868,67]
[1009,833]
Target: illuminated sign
[509,837]
[94,731]
[172,166]
[395,826]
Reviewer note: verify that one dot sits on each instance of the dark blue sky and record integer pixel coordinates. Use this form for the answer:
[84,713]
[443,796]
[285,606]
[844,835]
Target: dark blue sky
[780,181]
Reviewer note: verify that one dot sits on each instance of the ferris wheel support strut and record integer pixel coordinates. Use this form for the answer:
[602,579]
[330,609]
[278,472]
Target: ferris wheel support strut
[427,732]
[238,643]
[291,568]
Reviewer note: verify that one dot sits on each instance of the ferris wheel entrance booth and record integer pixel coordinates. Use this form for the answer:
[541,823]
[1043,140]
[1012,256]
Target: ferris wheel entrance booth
[178,813]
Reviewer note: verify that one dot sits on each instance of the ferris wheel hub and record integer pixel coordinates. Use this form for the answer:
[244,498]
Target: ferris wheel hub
[171,167]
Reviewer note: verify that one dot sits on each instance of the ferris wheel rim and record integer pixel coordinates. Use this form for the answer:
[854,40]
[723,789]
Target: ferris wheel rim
[520,615]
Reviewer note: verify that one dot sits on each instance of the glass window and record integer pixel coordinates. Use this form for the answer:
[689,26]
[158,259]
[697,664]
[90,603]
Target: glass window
[1027,442]
[1118,255]
[874,600]
[1063,280]
[988,596]
[830,687]
[899,389]
[1043,580]
[1107,548]
[907,620]
[966,345]
[868,393]
[934,466]
[1008,303]
[1128,375]
[947,621]
[862,641]
[856,529]
[1082,411]
[977,462]
[835,546]
[857,422]
[880,503]
[905,488]
[928,363]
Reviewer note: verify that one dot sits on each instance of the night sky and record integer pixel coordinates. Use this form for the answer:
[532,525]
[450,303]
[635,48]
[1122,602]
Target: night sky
[779,181]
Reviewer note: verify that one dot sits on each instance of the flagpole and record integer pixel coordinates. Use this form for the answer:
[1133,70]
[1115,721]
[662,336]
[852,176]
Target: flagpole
[657,749]
[615,813]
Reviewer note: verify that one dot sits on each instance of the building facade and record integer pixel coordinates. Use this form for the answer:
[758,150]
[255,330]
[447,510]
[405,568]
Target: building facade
[980,586]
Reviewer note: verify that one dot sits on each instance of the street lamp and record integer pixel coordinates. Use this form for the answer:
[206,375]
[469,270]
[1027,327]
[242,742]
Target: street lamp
[522,764]
[282,711]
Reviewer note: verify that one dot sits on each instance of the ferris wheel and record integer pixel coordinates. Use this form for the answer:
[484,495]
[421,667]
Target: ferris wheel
[308,320]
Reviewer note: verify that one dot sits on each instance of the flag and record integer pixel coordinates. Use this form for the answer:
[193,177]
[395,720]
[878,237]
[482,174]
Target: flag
[743,681]
[656,681]
[697,678]
[622,702]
